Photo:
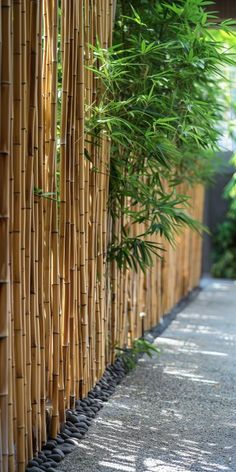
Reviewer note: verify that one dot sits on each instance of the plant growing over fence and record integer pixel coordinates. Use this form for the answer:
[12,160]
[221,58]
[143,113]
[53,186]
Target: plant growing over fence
[159,105]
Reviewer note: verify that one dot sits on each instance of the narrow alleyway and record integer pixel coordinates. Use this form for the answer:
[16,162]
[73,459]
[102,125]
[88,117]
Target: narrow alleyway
[177,411]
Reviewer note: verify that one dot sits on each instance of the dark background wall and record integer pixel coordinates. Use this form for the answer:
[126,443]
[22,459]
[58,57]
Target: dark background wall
[215,208]
[225,8]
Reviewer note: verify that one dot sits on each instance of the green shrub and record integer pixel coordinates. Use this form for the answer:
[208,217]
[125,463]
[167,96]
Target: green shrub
[224,240]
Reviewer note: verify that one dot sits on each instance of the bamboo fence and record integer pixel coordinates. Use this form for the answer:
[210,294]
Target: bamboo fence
[63,308]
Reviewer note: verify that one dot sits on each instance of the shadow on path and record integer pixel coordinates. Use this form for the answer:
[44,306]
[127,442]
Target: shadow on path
[175,412]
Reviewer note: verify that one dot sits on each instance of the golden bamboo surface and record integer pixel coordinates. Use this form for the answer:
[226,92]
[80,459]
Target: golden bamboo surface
[63,307]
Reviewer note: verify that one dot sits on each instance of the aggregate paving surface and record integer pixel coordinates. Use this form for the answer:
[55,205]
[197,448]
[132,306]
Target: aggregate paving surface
[175,412]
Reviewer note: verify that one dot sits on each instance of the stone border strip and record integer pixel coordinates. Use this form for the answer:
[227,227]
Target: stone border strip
[79,420]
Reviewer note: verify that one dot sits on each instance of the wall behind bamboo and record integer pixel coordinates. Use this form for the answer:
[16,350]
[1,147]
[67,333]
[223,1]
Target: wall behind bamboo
[63,308]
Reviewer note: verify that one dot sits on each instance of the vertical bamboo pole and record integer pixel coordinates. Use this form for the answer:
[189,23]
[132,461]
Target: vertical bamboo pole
[48,182]
[5,136]
[67,305]
[34,315]
[83,279]
[78,150]
[11,450]
[74,255]
[19,328]
[87,92]
[51,10]
[42,380]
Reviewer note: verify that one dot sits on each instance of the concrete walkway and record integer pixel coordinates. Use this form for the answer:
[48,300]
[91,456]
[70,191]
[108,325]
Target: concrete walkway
[175,412]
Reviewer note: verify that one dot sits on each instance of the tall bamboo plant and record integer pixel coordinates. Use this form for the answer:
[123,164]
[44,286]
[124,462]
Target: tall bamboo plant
[160,108]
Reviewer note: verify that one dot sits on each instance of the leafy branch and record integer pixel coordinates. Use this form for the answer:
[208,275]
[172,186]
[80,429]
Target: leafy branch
[160,107]
[48,195]
[139,347]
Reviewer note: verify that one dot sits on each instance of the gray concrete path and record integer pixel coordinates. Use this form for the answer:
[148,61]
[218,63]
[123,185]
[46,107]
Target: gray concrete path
[175,412]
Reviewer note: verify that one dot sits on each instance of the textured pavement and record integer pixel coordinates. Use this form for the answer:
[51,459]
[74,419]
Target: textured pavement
[175,412]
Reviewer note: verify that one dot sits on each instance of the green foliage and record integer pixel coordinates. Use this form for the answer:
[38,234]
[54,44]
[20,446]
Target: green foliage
[39,192]
[224,265]
[159,105]
[139,347]
[224,240]
[134,252]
